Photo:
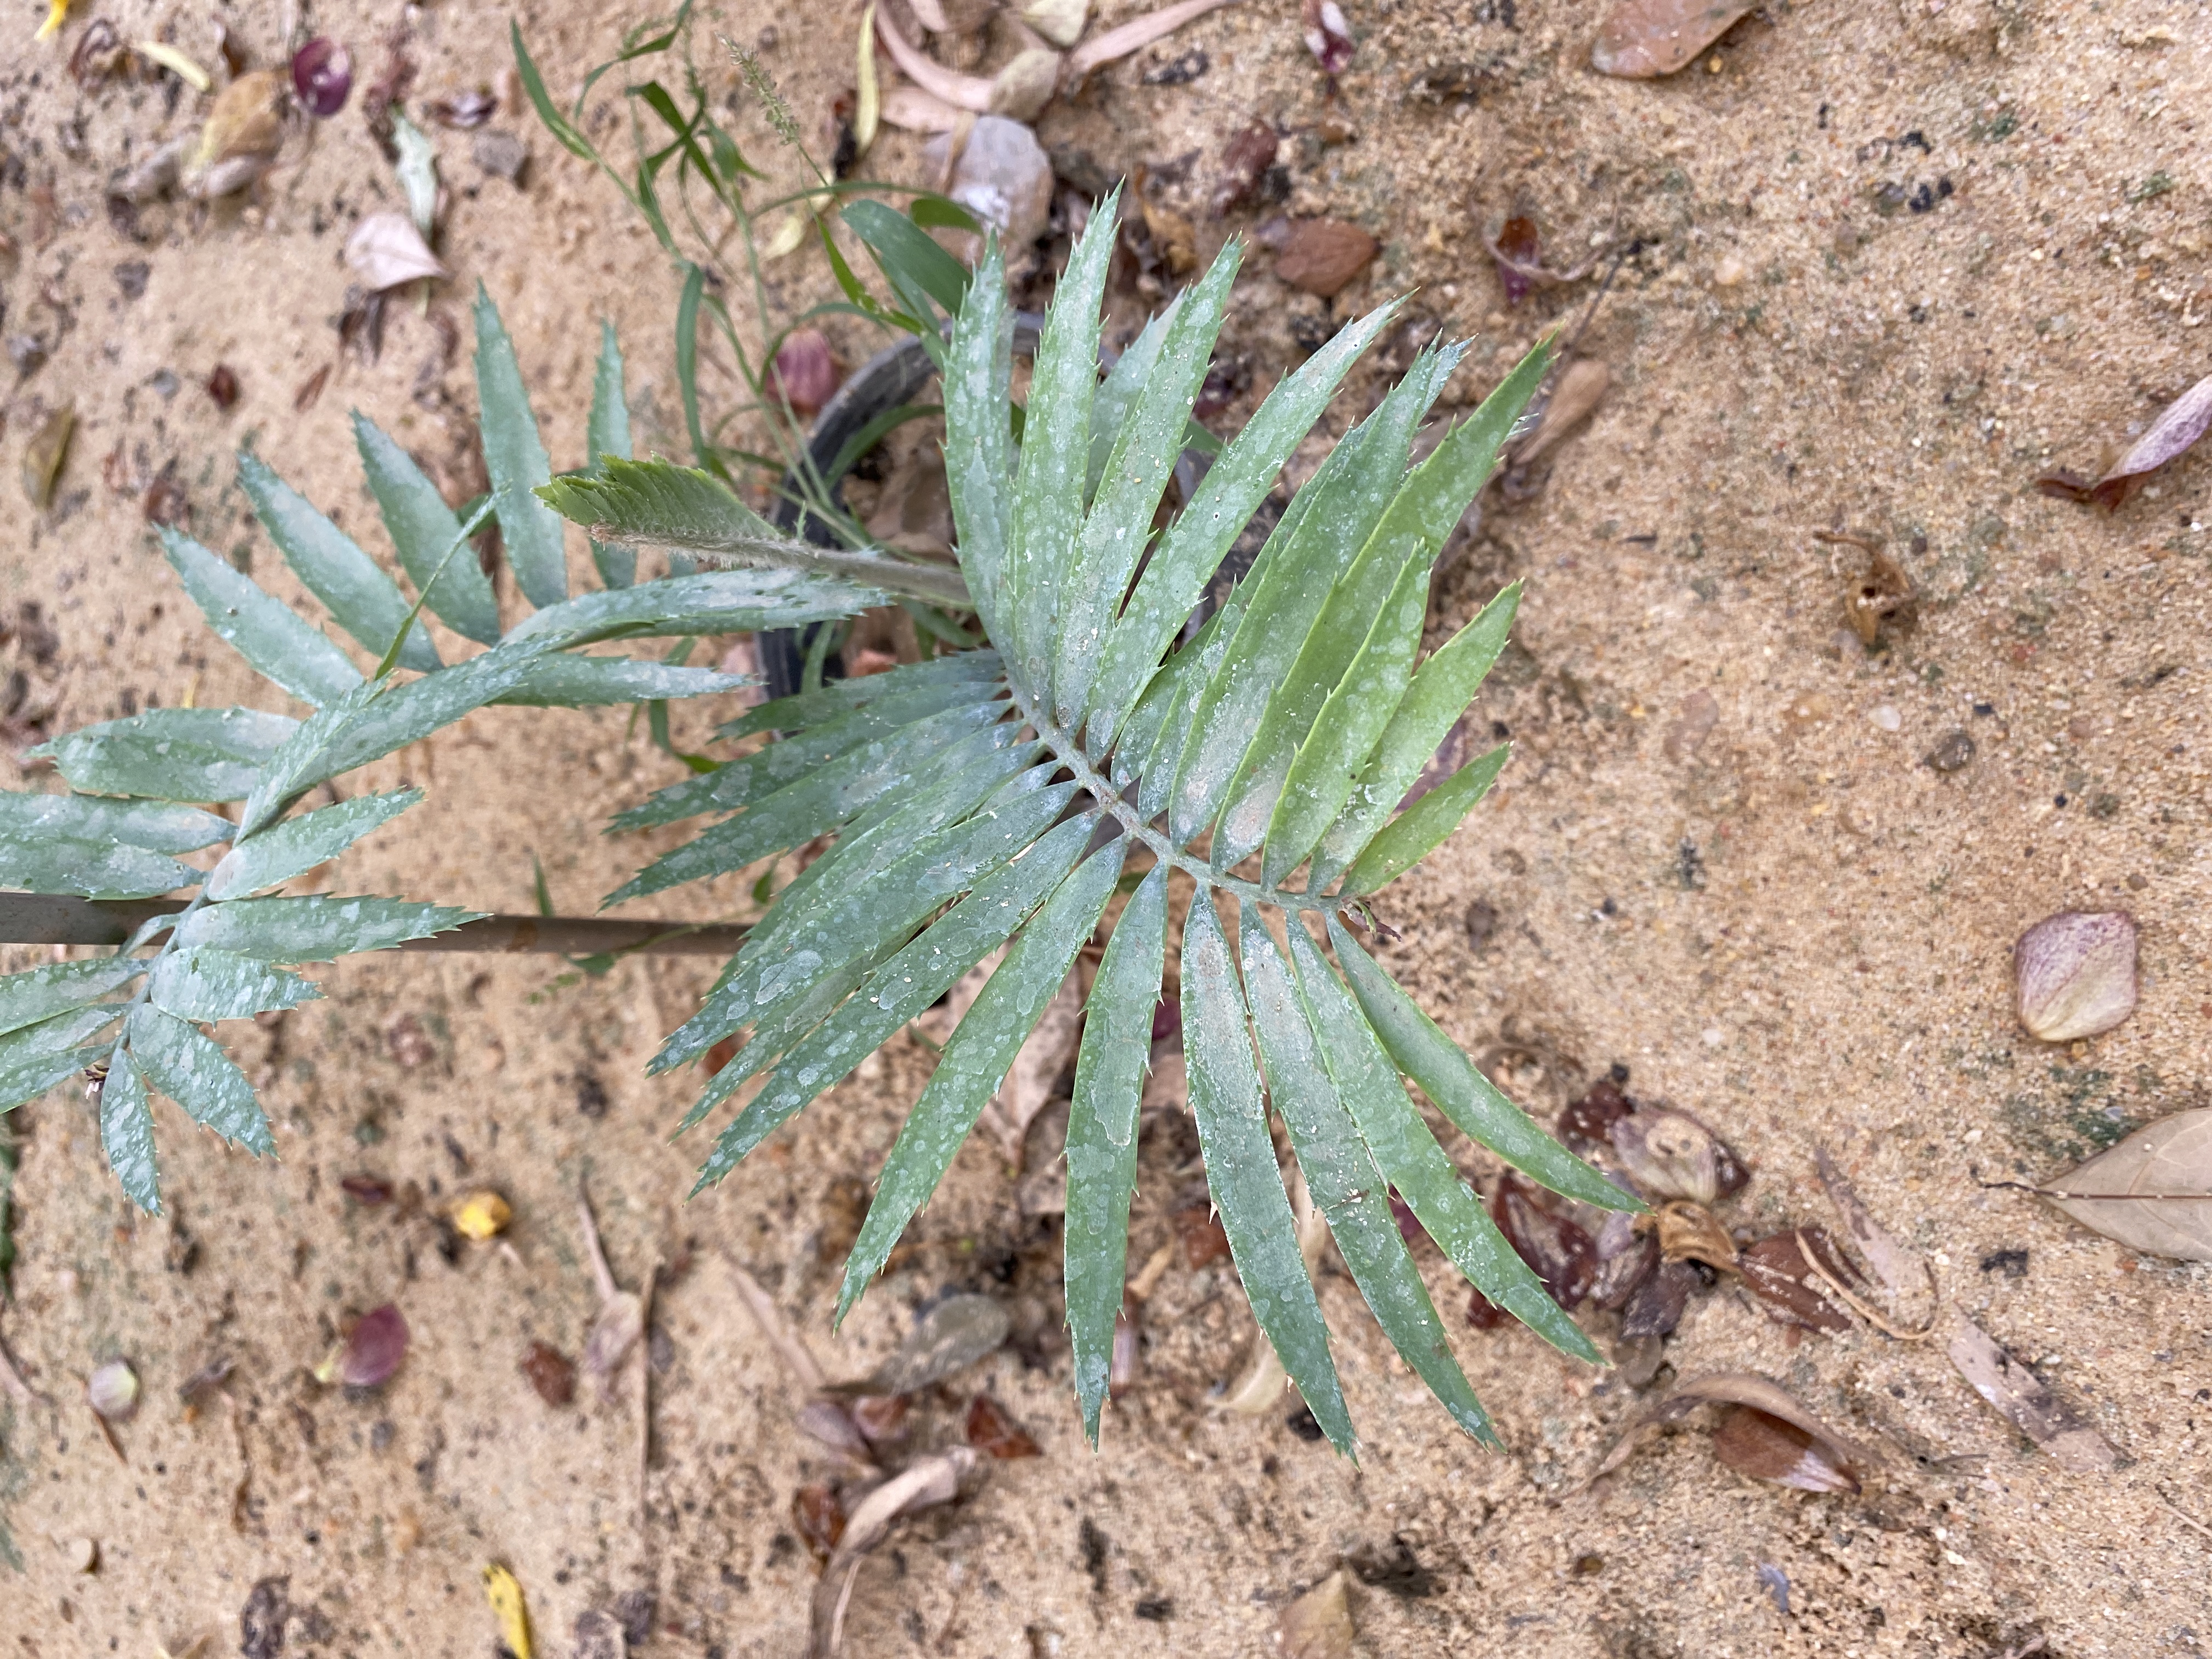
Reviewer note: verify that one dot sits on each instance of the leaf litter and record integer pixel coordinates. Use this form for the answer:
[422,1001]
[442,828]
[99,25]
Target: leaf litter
[2170,436]
[2152,1193]
[1770,1435]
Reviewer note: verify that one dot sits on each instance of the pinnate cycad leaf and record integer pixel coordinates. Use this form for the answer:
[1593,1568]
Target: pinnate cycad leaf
[170,754]
[192,1070]
[90,869]
[363,600]
[281,645]
[425,532]
[297,845]
[41,993]
[204,983]
[127,1132]
[515,457]
[157,826]
[320,929]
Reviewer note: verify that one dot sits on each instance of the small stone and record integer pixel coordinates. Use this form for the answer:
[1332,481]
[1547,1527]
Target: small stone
[164,383]
[500,153]
[1887,718]
[1322,256]
[1953,753]
[1730,272]
[222,385]
[27,352]
[131,276]
[1005,177]
[83,1555]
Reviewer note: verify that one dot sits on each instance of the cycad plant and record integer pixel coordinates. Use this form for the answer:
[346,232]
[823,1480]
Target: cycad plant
[1245,779]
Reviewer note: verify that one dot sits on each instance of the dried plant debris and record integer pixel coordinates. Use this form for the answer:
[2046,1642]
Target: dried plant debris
[1780,1271]
[43,455]
[1667,1154]
[1518,253]
[1770,1435]
[2074,974]
[1883,594]
[1245,160]
[621,1318]
[385,251]
[930,1481]
[2172,435]
[991,1431]
[1321,256]
[240,140]
[1580,387]
[1326,35]
[1132,36]
[1318,1624]
[948,1339]
[2152,1193]
[371,1351]
[322,76]
[550,1372]
[1641,39]
[2022,1398]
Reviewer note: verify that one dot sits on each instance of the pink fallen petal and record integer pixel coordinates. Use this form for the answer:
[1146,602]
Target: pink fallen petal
[387,251]
[2170,436]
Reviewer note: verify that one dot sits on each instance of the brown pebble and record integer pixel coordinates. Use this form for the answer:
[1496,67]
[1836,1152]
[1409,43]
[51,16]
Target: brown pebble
[1954,752]
[1322,256]
[550,1372]
[222,385]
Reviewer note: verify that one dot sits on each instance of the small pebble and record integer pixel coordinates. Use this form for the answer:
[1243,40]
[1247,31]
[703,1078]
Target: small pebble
[500,152]
[83,1555]
[1728,272]
[1887,718]
[1005,177]
[1953,753]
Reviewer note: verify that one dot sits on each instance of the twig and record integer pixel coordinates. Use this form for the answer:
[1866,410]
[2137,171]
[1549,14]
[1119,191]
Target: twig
[603,1277]
[1858,1305]
[2182,1515]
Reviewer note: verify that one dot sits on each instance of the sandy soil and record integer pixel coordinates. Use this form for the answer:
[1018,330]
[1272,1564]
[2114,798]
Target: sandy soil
[1894,262]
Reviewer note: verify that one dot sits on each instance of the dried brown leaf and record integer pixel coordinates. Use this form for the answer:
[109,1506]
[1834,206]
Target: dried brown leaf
[1903,1274]
[1245,160]
[1581,387]
[1775,1270]
[787,1342]
[1641,39]
[1766,1448]
[1742,1389]
[993,1433]
[2152,1193]
[2177,429]
[2020,1397]
[1322,256]
[1139,33]
[1689,1232]
[1318,1624]
[930,1481]
[1556,1248]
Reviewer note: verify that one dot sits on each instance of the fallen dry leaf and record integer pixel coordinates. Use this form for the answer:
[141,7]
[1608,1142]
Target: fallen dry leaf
[951,1337]
[930,1481]
[1641,39]
[1904,1275]
[2020,1397]
[2152,1193]
[1689,1232]
[1117,44]
[2177,429]
[1670,1154]
[44,454]
[1775,1271]
[1318,1624]
[787,1342]
[819,1519]
[1766,1448]
[386,251]
[2075,974]
[1245,160]
[1581,385]
[240,140]
[1836,1459]
[1322,256]
[993,1433]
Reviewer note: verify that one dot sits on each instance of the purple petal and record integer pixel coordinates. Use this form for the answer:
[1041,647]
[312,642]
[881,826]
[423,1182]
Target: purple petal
[322,74]
[375,1349]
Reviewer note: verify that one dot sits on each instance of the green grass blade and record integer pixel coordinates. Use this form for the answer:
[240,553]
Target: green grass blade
[359,595]
[321,928]
[155,826]
[1192,549]
[127,1132]
[977,1059]
[1109,409]
[1102,1133]
[1046,525]
[515,457]
[1416,832]
[1347,1187]
[1420,515]
[200,982]
[1335,752]
[423,530]
[1441,691]
[293,848]
[1242,1173]
[908,257]
[1327,522]
[812,806]
[1119,526]
[193,1071]
[41,993]
[978,463]
[902,989]
[170,754]
[828,919]
[280,644]
[1469,1099]
[90,869]
[1411,1160]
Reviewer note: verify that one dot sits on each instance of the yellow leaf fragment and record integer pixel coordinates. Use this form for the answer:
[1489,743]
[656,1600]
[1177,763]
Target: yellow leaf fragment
[482,1215]
[177,63]
[869,107]
[504,1591]
[56,11]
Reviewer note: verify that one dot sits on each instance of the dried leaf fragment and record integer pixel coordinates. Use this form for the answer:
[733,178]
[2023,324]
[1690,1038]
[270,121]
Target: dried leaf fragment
[818,1517]
[1641,39]
[386,251]
[1245,160]
[2178,427]
[1838,1457]
[2152,1193]
[928,1482]
[1766,1448]
[2075,974]
[991,1431]
[44,454]
[1318,1624]
[240,138]
[1581,385]
[951,1337]
[1775,1271]
[504,1591]
[1132,36]
[1326,35]
[1322,256]
[2021,1399]
[1670,1154]
[1884,593]
[482,1214]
